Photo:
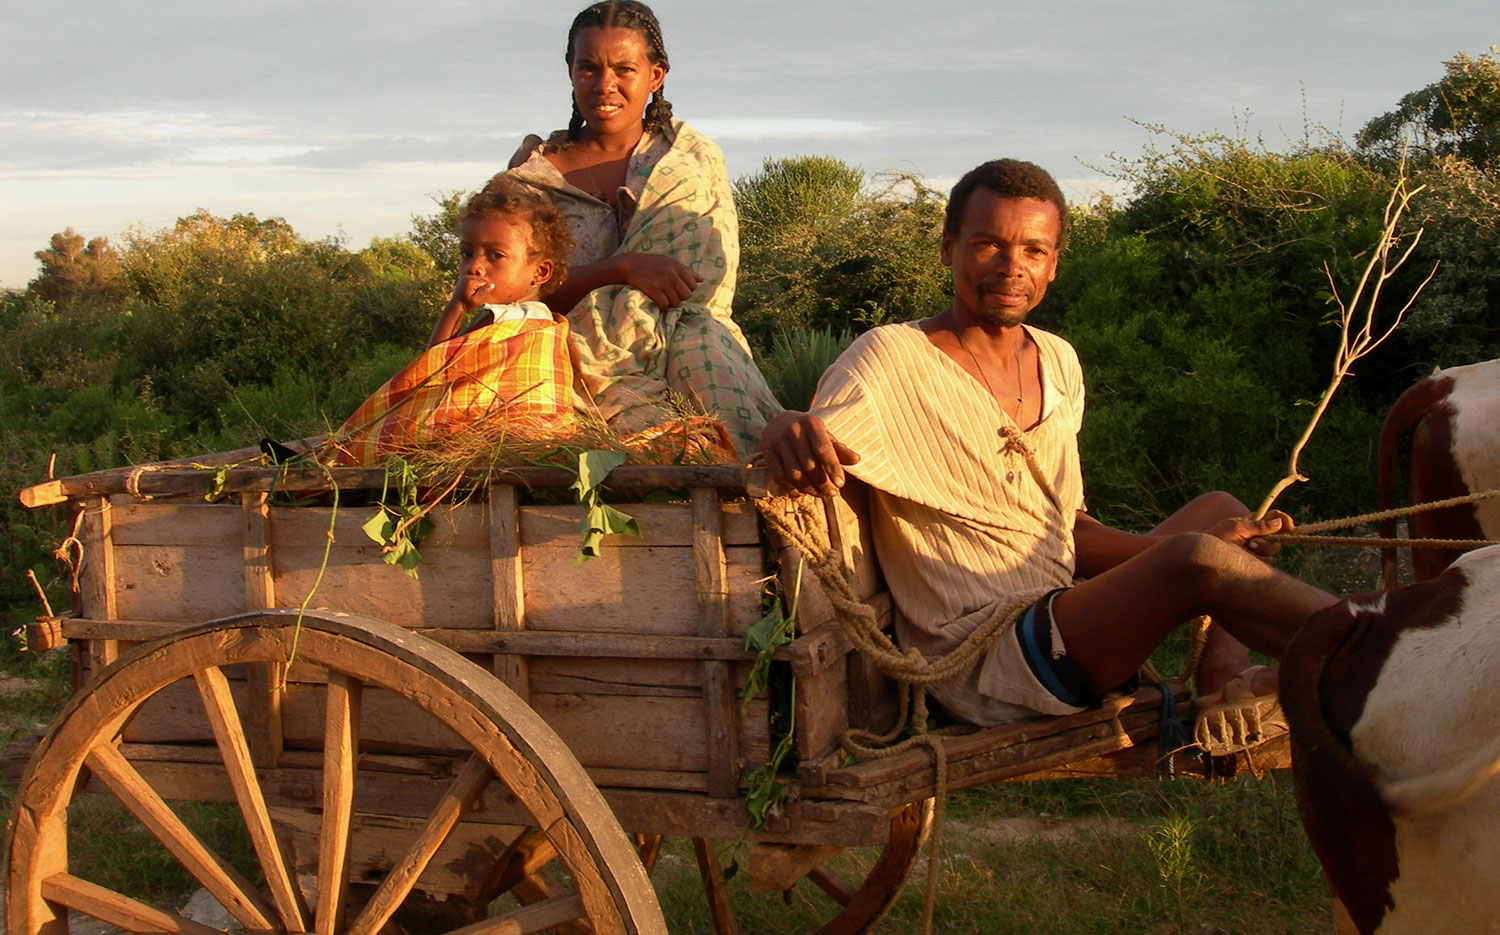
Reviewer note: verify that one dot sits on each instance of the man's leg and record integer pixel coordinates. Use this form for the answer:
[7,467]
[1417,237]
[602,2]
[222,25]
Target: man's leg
[1224,657]
[1112,622]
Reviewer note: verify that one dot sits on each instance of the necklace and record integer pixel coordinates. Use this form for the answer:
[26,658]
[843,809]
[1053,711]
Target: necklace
[1020,387]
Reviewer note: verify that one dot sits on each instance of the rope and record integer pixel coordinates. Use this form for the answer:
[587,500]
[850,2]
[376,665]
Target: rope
[908,667]
[1305,535]
[912,671]
[133,481]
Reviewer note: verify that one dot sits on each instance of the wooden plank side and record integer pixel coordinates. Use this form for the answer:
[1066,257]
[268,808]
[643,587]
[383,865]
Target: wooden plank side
[663,524]
[453,527]
[152,523]
[641,590]
[507,584]
[192,584]
[452,588]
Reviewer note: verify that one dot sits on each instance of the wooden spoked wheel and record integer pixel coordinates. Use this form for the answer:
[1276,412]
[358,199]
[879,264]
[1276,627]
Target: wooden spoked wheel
[858,905]
[607,890]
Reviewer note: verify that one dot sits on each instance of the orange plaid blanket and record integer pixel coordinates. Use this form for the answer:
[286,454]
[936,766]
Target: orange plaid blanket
[512,372]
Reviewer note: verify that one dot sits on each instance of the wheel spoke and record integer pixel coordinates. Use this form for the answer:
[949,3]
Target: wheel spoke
[120,911]
[526,855]
[713,886]
[548,914]
[213,687]
[826,881]
[225,883]
[648,846]
[340,763]
[474,776]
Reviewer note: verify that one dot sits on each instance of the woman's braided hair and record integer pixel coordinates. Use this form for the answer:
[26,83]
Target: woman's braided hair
[625,14]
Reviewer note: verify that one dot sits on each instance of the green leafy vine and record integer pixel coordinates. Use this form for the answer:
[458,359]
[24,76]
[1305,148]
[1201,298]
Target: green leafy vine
[601,519]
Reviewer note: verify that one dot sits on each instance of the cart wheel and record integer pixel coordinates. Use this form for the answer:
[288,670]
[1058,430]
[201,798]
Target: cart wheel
[861,905]
[608,889]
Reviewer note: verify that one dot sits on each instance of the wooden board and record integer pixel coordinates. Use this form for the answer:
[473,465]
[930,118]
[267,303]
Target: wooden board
[636,655]
[640,732]
[649,589]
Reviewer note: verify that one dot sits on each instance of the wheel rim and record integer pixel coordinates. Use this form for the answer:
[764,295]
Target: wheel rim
[862,906]
[509,742]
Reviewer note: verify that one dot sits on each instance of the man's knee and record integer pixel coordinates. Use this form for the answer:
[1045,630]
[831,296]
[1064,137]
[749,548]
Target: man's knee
[1198,558]
[1203,512]
[1216,505]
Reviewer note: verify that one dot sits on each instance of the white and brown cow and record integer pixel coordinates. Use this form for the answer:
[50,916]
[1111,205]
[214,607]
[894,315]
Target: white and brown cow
[1395,722]
[1453,417]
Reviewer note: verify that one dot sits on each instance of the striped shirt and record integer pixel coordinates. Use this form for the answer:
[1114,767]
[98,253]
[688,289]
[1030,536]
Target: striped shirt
[961,527]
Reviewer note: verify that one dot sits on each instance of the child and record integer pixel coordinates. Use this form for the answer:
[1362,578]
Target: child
[508,366]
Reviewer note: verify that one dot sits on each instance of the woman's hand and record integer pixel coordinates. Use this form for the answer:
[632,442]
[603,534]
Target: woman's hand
[664,280]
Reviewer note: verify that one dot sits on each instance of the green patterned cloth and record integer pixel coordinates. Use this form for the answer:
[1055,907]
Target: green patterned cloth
[631,358]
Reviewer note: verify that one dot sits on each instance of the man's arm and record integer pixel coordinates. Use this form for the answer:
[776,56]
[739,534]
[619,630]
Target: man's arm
[803,456]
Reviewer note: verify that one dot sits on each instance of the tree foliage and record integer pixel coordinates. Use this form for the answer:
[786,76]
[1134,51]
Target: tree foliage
[1457,115]
[1198,302]
[824,247]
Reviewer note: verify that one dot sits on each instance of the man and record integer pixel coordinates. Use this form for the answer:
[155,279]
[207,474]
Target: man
[964,426]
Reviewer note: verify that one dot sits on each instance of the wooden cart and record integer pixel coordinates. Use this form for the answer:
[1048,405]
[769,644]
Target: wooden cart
[511,722]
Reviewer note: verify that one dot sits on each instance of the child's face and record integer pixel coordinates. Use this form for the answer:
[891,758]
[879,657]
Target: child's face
[495,264]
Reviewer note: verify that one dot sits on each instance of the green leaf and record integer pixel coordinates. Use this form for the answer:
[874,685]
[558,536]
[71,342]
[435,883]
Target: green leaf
[380,526]
[769,632]
[613,522]
[593,467]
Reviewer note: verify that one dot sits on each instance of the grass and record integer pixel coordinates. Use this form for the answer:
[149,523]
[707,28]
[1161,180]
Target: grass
[1088,867]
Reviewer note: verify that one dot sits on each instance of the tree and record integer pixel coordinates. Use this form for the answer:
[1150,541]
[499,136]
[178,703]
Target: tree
[1457,115]
[73,269]
[436,234]
[822,246]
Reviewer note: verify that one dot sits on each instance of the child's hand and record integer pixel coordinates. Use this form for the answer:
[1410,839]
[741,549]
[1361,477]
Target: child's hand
[470,292]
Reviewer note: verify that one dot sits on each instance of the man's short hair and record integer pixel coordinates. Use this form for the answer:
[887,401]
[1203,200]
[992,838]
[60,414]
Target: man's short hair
[1008,178]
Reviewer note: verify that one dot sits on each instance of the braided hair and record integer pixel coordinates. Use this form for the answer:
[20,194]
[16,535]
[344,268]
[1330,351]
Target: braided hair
[625,14]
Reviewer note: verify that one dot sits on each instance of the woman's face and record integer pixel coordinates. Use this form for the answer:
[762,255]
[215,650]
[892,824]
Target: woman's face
[613,78]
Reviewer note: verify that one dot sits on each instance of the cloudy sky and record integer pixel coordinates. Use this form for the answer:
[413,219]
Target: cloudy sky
[347,118]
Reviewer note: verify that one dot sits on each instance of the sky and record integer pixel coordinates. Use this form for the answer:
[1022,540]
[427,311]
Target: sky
[346,119]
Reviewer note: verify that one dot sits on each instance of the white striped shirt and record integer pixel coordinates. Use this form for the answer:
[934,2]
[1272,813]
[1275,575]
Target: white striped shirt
[962,528]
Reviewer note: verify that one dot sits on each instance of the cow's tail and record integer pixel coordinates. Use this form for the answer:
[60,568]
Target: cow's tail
[1439,791]
[1409,408]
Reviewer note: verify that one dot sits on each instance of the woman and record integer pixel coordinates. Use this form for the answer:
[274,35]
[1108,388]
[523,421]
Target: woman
[651,279]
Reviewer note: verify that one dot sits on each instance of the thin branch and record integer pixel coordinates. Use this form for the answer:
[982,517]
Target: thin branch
[1362,305]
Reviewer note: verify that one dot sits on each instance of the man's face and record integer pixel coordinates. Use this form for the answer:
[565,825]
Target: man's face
[1003,256]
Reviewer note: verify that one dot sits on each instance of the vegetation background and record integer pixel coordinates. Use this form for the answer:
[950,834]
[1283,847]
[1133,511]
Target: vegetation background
[1199,306]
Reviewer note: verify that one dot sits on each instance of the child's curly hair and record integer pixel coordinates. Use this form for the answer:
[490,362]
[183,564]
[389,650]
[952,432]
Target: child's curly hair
[550,236]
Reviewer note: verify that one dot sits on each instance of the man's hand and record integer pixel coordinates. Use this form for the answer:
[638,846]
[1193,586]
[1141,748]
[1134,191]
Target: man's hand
[802,456]
[1246,532]
[664,280]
